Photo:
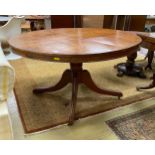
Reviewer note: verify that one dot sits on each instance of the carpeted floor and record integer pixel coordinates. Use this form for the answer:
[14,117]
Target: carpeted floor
[135,126]
[44,111]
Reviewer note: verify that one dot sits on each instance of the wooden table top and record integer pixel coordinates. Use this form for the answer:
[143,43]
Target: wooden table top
[75,45]
[147,36]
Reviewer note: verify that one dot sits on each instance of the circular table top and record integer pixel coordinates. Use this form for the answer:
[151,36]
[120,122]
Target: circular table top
[75,45]
[147,36]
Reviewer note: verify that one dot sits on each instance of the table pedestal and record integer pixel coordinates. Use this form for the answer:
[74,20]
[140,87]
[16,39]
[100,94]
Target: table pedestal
[150,59]
[76,75]
[130,68]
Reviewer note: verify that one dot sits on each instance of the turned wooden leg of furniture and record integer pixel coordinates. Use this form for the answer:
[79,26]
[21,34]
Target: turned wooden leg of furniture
[151,85]
[130,68]
[146,56]
[150,59]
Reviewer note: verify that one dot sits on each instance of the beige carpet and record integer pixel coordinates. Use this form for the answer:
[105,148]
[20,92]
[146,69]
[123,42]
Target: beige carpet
[48,110]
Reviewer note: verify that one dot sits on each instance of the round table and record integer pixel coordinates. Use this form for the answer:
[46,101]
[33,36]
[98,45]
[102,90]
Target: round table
[149,43]
[75,46]
[130,67]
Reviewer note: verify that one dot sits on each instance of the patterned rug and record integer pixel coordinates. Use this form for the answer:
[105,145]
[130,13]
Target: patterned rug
[136,126]
[39,112]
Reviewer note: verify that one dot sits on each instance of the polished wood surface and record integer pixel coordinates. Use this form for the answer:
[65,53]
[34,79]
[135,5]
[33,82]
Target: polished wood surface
[66,21]
[137,23]
[150,20]
[132,69]
[75,45]
[149,43]
[147,36]
[131,23]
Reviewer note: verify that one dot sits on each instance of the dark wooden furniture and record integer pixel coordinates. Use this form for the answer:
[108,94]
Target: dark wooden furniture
[66,21]
[34,20]
[128,23]
[130,68]
[125,22]
[150,20]
[137,23]
[149,43]
[75,46]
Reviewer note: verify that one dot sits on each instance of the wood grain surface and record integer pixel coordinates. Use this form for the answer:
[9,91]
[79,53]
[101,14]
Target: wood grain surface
[75,45]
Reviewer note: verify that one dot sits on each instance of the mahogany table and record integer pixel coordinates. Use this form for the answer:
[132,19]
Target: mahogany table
[75,46]
[132,69]
[149,43]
